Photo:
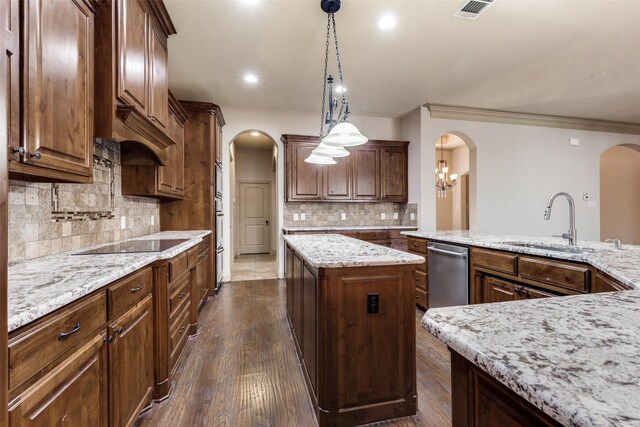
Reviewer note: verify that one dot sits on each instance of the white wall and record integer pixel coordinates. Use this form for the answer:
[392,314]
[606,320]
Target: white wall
[275,123]
[516,169]
[460,166]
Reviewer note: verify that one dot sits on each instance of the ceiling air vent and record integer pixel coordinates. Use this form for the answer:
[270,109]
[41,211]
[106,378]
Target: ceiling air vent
[472,9]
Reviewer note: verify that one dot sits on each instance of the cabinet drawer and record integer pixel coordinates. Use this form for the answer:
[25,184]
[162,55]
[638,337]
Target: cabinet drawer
[421,280]
[421,298]
[178,266]
[192,255]
[493,260]
[128,291]
[205,244]
[178,335]
[372,235]
[35,348]
[569,276]
[420,267]
[417,245]
[180,295]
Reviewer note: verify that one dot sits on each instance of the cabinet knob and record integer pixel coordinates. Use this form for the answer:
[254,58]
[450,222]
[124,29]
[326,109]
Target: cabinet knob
[35,155]
[19,150]
[181,295]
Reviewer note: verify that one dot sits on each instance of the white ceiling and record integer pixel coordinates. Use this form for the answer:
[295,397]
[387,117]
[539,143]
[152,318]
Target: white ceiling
[578,58]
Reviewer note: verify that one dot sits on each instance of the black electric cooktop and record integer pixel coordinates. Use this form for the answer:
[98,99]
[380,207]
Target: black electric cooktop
[135,246]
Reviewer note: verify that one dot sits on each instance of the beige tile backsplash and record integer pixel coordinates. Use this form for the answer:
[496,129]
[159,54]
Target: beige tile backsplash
[47,219]
[357,214]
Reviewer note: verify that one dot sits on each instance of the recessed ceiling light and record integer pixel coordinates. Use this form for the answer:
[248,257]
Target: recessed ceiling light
[387,22]
[254,133]
[250,78]
[250,1]
[341,89]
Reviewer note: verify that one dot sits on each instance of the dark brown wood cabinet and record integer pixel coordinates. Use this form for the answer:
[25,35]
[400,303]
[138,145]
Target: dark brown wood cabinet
[421,277]
[132,78]
[376,171]
[197,210]
[131,363]
[57,127]
[359,367]
[74,393]
[605,283]
[143,175]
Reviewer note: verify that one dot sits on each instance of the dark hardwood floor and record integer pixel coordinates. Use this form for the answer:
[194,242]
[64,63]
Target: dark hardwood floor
[242,369]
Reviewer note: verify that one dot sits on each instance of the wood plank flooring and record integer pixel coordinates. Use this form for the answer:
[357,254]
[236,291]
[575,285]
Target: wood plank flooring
[242,370]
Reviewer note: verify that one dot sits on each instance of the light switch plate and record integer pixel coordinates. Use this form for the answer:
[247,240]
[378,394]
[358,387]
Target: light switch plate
[152,220]
[302,217]
[123,222]
[395,215]
[296,217]
[383,215]
[343,216]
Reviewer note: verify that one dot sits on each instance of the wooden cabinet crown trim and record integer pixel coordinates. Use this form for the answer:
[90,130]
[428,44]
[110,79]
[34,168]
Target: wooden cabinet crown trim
[204,107]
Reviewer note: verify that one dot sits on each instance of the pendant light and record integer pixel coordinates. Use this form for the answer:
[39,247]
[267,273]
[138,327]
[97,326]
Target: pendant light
[442,175]
[320,160]
[341,133]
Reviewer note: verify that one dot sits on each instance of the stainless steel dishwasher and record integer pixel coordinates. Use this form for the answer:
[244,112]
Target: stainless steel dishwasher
[448,275]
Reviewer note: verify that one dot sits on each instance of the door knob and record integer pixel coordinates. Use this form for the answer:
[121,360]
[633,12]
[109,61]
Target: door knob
[267,222]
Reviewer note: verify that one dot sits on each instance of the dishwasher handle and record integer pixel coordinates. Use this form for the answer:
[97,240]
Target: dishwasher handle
[442,251]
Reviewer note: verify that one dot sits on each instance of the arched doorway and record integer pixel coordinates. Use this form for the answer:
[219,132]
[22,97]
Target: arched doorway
[253,169]
[619,194]
[452,172]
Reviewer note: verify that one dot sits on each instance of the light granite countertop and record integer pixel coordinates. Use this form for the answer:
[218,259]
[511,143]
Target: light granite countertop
[40,286]
[622,265]
[575,357]
[350,228]
[335,250]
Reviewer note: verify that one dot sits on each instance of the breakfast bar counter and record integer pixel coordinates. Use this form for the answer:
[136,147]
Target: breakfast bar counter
[350,305]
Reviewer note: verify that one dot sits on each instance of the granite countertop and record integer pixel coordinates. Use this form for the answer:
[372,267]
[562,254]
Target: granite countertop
[576,358]
[335,250]
[40,286]
[351,228]
[622,265]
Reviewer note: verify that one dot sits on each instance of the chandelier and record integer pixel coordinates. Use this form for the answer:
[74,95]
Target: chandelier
[442,175]
[335,131]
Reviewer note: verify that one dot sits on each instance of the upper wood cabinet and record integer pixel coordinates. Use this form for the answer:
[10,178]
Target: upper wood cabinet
[10,72]
[132,82]
[142,175]
[376,171]
[57,127]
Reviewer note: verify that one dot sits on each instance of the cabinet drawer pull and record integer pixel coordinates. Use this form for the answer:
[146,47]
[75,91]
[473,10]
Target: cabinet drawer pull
[136,289]
[181,330]
[64,335]
[417,296]
[181,295]
[118,331]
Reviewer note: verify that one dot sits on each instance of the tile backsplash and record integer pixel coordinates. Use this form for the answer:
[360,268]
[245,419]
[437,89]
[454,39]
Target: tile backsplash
[46,219]
[356,214]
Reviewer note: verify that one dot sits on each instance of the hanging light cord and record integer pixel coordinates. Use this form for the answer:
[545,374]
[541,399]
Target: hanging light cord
[324,80]
[335,38]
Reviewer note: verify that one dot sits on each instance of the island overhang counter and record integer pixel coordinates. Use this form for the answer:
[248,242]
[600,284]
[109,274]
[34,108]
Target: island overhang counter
[350,305]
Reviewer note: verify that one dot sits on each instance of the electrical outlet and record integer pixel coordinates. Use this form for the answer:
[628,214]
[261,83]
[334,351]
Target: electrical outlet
[373,303]
[296,217]
[123,222]
[383,215]
[395,215]
[302,217]
[343,216]
[152,220]
[412,216]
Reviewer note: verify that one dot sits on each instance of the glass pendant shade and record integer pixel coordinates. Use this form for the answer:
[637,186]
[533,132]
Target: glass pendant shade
[330,151]
[320,160]
[345,134]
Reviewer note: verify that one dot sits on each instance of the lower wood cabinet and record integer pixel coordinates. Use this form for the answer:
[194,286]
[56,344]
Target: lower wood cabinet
[131,363]
[74,393]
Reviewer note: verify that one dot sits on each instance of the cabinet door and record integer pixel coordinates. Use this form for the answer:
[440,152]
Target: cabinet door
[58,85]
[203,275]
[74,393]
[167,174]
[159,78]
[131,364]
[298,301]
[218,144]
[10,77]
[133,57]
[496,290]
[366,173]
[305,179]
[288,261]
[394,174]
[337,180]
[179,160]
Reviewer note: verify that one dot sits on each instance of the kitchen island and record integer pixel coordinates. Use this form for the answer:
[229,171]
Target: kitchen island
[558,360]
[350,305]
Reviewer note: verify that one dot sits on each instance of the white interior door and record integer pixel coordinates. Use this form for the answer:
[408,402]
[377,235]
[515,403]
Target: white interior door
[255,208]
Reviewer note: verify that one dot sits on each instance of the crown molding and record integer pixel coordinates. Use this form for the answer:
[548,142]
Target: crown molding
[453,112]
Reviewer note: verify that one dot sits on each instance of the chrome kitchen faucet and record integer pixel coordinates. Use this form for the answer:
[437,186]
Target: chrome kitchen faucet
[572,235]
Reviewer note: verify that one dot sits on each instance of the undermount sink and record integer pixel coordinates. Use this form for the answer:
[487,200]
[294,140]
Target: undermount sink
[556,248]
